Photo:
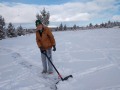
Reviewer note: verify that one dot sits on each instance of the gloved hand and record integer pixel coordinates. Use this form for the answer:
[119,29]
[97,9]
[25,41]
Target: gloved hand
[42,50]
[54,48]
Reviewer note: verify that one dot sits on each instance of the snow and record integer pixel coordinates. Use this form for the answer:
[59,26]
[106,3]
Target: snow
[91,56]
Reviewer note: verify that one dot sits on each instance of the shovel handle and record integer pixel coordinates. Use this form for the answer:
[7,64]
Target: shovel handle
[66,78]
[53,65]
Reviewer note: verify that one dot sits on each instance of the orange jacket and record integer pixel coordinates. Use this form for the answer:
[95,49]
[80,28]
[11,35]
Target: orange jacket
[45,41]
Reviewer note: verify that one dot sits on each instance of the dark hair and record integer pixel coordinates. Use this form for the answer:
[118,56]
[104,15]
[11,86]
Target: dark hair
[37,22]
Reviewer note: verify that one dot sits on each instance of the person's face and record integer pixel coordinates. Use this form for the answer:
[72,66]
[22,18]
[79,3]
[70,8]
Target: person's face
[39,27]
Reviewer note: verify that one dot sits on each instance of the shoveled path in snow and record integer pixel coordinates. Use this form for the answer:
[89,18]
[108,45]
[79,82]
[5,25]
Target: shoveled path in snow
[18,74]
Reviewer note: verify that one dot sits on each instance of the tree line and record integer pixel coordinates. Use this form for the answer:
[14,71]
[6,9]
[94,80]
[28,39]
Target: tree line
[44,16]
[10,31]
[108,24]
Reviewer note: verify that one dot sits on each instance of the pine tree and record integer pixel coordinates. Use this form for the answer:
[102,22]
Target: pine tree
[11,31]
[109,25]
[44,17]
[65,27]
[90,26]
[75,27]
[96,26]
[61,27]
[102,25]
[2,24]
[20,31]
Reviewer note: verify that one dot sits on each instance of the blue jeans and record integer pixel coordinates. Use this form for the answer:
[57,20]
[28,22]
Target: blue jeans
[45,62]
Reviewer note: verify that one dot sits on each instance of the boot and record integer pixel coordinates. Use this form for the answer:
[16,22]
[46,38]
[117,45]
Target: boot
[43,72]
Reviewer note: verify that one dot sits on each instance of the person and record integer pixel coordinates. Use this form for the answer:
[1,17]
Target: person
[45,41]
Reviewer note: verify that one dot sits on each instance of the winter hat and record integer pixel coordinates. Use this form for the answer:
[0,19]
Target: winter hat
[37,22]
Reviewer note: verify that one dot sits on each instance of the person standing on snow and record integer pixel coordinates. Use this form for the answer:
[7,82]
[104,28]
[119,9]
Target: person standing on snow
[45,41]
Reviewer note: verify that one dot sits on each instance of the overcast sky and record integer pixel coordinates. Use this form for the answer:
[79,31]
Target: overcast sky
[78,12]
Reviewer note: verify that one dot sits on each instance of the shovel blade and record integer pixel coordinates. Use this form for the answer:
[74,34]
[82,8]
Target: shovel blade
[66,78]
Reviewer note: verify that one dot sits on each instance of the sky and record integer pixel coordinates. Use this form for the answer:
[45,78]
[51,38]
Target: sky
[69,12]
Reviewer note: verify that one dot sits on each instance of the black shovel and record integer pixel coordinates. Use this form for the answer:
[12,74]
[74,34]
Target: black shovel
[65,78]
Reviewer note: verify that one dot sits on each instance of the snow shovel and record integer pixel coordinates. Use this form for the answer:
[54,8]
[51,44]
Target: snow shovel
[63,79]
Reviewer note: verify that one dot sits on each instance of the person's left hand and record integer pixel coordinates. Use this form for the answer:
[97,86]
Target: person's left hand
[54,48]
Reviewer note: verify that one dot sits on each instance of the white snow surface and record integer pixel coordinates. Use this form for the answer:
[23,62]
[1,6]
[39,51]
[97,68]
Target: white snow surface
[91,56]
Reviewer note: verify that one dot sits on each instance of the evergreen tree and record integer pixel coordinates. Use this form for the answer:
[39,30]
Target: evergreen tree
[20,31]
[61,27]
[2,24]
[96,26]
[56,29]
[75,27]
[105,25]
[65,27]
[102,25]
[11,31]
[90,26]
[44,17]
[109,25]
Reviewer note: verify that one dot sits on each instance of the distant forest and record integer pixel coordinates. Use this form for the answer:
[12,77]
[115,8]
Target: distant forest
[10,31]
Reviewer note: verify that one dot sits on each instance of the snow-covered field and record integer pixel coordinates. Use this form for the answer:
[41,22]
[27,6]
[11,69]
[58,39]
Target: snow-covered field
[91,56]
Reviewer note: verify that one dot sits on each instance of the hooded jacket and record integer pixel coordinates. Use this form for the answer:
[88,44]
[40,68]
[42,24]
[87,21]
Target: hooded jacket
[46,40]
